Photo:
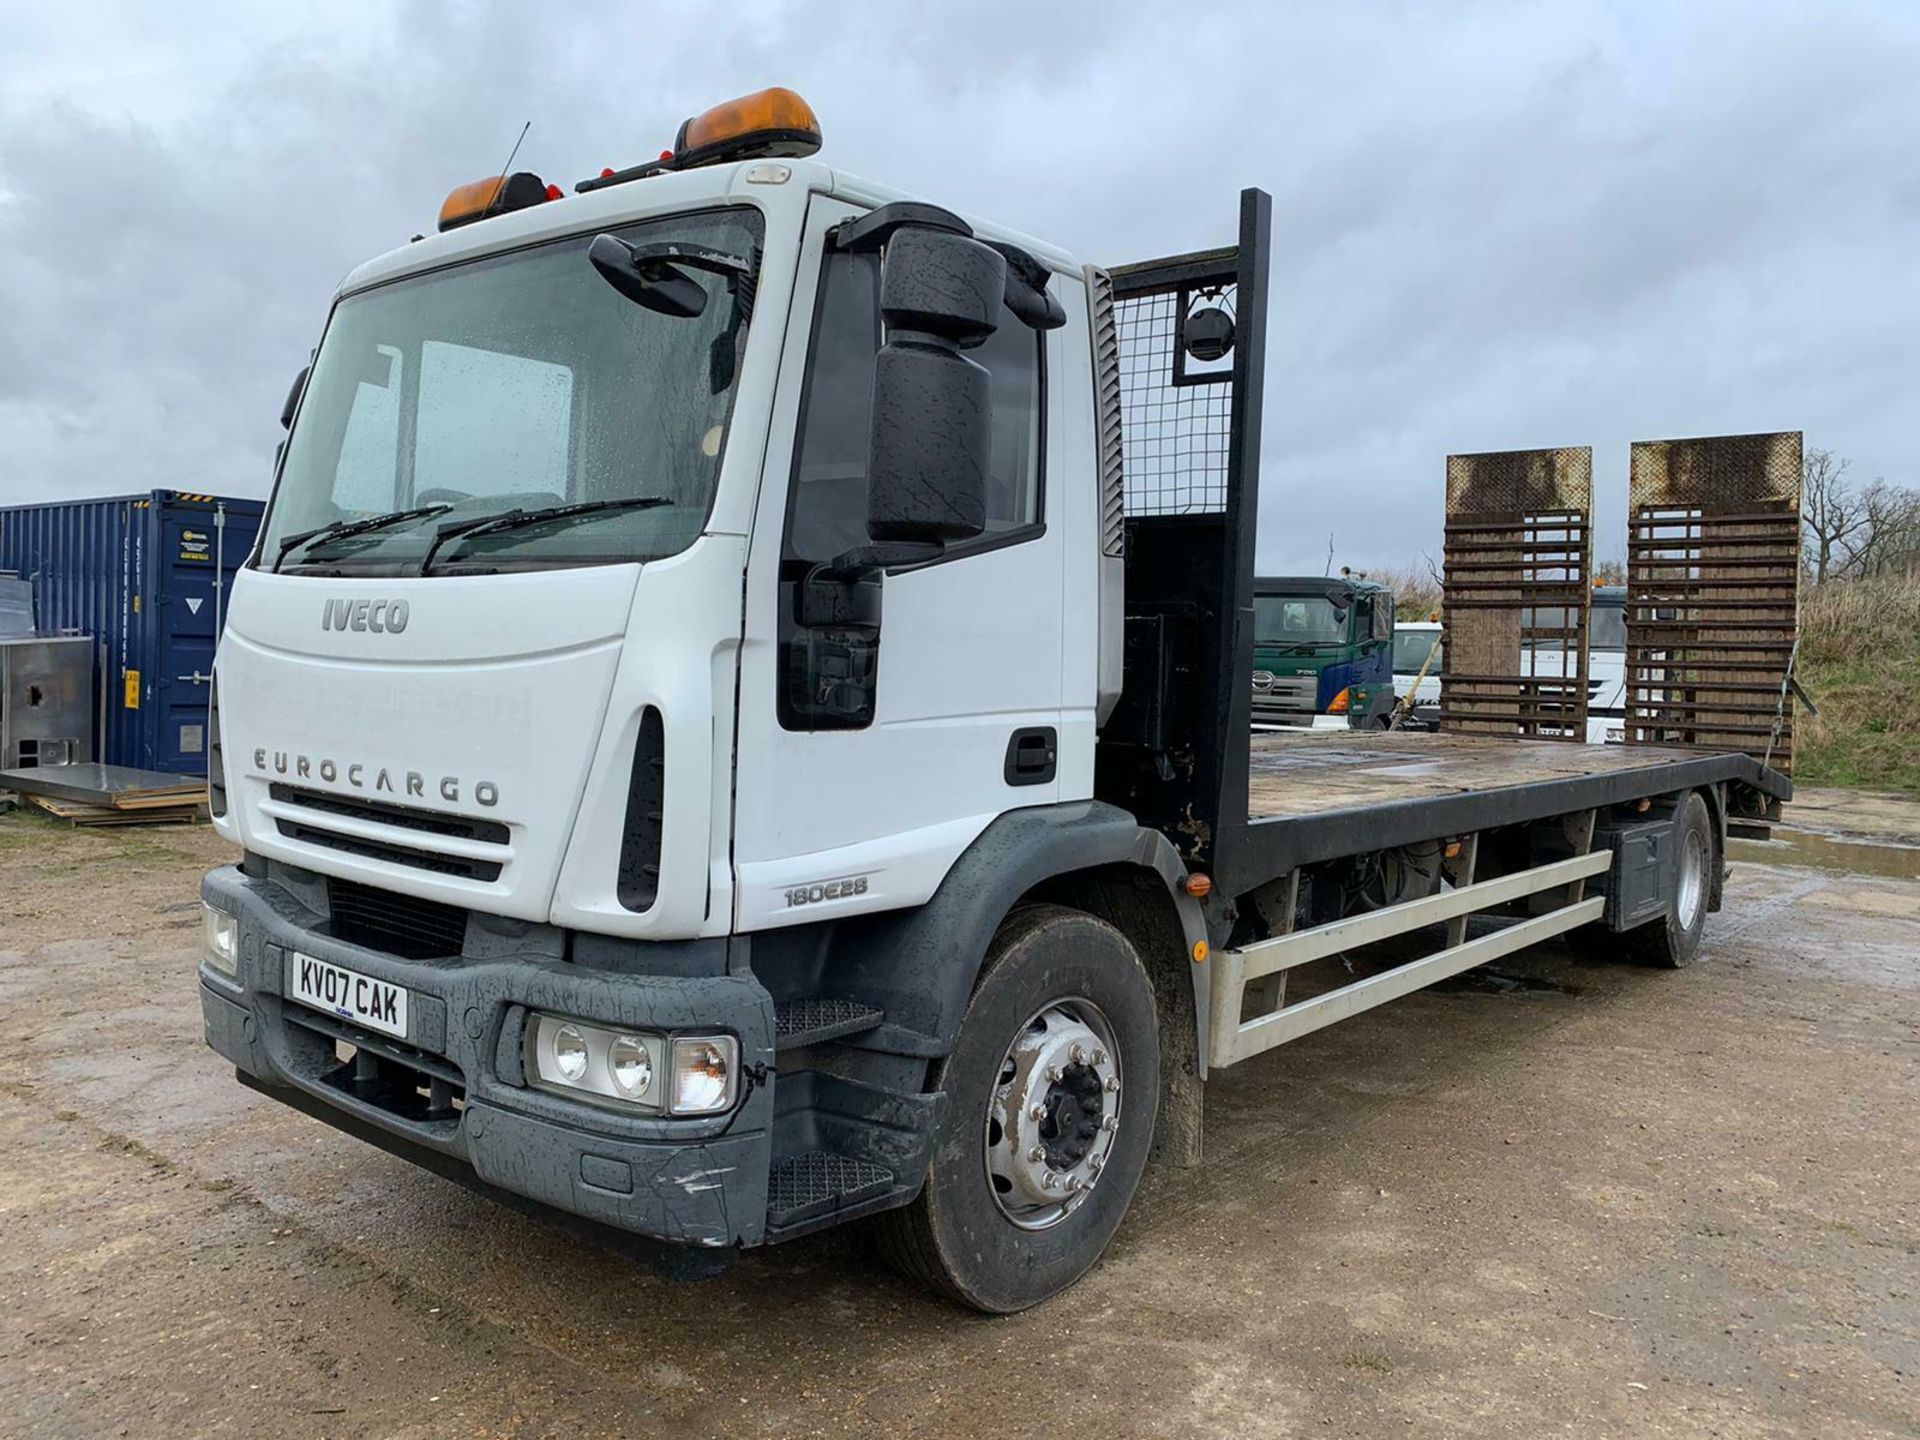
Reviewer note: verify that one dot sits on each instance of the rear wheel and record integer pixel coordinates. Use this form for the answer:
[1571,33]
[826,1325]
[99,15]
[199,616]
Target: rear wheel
[1671,941]
[1051,1090]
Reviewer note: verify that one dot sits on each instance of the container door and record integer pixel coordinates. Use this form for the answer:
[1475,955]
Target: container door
[200,546]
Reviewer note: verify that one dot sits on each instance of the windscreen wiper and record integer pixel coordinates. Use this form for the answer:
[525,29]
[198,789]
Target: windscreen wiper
[338,528]
[517,519]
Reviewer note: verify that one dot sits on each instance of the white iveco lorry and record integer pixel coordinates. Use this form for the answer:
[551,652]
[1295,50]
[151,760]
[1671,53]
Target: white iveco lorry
[738,722]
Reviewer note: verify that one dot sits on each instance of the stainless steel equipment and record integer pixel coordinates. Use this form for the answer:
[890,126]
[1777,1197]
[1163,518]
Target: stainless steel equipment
[46,700]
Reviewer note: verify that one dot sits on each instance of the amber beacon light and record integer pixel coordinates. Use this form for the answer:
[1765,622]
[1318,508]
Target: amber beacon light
[495,195]
[773,122]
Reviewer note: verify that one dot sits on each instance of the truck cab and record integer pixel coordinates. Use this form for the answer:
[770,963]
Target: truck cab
[1606,661]
[1418,658]
[1323,652]
[593,715]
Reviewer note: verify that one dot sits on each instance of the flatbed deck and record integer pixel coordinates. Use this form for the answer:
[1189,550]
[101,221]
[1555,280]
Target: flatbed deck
[1314,796]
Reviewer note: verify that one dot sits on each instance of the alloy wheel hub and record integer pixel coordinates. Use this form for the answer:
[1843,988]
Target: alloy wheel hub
[1055,1114]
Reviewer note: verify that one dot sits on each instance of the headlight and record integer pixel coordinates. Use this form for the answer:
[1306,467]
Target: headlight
[631,1068]
[630,1064]
[570,1056]
[222,935]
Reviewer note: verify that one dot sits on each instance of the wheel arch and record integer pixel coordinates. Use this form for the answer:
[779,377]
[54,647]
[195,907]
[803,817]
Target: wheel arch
[921,965]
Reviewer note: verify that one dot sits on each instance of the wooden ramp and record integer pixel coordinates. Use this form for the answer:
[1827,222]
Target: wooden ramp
[1519,549]
[1713,593]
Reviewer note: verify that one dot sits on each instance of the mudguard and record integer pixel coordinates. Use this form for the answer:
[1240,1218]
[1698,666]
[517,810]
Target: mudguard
[920,965]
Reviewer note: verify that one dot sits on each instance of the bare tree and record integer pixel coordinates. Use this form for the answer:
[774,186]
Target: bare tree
[1609,572]
[1834,513]
[1890,542]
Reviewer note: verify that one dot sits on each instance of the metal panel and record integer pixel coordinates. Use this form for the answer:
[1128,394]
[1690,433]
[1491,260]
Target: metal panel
[1713,590]
[147,577]
[1519,549]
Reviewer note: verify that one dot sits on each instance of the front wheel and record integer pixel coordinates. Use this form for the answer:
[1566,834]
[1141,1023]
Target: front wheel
[1051,1089]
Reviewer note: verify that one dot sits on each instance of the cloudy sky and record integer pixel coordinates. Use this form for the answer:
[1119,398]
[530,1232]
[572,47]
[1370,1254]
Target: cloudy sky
[1497,225]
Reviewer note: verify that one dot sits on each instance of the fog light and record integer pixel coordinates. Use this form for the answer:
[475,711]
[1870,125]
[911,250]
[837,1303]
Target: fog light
[704,1074]
[222,935]
[569,1052]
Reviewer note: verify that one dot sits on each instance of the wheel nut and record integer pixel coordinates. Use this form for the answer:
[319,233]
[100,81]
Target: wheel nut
[1079,1054]
[1113,1084]
[1099,1057]
[1097,1163]
[1110,1124]
[1073,1183]
[1055,1073]
[1036,1111]
[1049,1181]
[1037,1154]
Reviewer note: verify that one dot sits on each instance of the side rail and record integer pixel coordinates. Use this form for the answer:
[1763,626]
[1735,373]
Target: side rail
[1253,978]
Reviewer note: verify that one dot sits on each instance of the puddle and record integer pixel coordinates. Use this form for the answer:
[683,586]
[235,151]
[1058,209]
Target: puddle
[1825,852]
[1486,980]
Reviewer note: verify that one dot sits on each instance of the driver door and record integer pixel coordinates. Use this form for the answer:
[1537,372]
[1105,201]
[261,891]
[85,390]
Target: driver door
[861,777]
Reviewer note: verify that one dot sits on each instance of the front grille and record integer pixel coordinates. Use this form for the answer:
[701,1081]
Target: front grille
[391,854]
[400,925]
[1285,698]
[407,817]
[426,823]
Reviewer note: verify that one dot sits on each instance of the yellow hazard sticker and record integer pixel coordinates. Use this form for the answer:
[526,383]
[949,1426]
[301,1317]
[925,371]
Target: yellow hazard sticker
[133,690]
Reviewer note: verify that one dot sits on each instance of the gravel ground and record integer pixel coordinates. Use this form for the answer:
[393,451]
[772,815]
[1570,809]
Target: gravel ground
[1565,1198]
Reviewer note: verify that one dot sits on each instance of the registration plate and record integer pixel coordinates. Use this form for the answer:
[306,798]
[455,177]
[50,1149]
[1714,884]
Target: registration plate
[348,994]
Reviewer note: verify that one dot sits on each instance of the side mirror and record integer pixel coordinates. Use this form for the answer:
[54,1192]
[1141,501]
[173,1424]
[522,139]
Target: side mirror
[292,402]
[652,281]
[932,419]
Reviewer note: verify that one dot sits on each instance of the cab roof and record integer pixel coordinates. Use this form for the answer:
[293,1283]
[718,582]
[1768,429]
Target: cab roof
[1330,587]
[661,194]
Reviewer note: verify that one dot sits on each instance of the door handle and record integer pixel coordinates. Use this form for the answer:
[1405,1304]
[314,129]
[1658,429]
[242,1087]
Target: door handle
[1033,756]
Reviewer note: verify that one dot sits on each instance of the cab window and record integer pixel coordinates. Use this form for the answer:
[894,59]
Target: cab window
[827,500]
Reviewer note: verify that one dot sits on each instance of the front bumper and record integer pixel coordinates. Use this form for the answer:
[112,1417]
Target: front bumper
[697,1182]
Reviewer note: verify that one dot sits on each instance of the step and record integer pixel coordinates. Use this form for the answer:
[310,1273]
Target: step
[818,1182]
[814,1019]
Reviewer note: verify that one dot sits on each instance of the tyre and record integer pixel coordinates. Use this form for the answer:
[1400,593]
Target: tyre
[1051,1092]
[1671,941]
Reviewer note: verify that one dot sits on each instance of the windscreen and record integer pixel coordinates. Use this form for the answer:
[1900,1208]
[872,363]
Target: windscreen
[1303,620]
[521,382]
[1607,627]
[1410,649]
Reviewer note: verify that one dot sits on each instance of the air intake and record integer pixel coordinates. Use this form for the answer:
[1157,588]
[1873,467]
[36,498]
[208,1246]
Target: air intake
[638,884]
[1106,394]
[396,924]
[216,758]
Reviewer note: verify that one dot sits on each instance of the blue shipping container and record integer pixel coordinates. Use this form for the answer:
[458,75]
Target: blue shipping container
[148,577]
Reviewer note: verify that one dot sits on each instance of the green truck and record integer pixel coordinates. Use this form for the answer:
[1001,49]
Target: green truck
[1322,652]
